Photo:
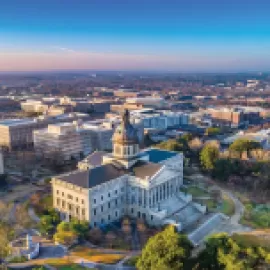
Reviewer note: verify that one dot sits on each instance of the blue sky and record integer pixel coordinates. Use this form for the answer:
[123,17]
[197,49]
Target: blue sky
[193,35]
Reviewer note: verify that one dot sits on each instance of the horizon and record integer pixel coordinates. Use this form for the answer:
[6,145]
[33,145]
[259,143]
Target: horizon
[142,36]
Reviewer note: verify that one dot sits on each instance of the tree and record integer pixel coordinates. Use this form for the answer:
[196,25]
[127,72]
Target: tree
[167,250]
[66,238]
[46,225]
[95,235]
[212,131]
[80,227]
[208,157]
[22,217]
[220,251]
[110,237]
[243,145]
[223,169]
[6,235]
[195,144]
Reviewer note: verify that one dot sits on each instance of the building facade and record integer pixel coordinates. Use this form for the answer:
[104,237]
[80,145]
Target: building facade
[67,139]
[18,133]
[141,184]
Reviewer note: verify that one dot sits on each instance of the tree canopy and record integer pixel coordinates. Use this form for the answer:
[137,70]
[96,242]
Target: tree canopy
[209,156]
[167,250]
[243,145]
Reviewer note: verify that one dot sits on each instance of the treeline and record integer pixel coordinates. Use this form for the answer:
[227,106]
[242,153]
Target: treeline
[244,164]
[171,250]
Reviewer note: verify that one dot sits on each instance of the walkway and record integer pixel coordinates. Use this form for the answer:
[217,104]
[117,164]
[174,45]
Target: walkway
[33,215]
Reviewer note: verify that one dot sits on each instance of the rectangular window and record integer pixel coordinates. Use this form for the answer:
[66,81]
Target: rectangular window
[83,211]
[101,208]
[95,212]
[109,205]
[82,201]
[95,201]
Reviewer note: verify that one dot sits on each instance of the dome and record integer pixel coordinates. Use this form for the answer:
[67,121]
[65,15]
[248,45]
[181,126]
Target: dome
[125,133]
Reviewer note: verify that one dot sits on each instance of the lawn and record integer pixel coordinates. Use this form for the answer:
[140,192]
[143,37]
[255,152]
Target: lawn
[96,256]
[227,206]
[195,191]
[132,261]
[256,216]
[252,240]
[210,203]
[64,264]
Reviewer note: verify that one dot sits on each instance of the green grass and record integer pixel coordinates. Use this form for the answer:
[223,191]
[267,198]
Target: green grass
[227,207]
[96,256]
[210,203]
[256,216]
[19,259]
[195,191]
[132,261]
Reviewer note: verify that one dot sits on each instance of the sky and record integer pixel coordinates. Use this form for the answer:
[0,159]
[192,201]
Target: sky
[147,35]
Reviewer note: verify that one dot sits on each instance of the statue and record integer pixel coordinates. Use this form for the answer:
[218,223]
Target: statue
[125,116]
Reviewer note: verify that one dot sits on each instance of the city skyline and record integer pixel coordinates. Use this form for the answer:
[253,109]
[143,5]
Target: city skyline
[186,36]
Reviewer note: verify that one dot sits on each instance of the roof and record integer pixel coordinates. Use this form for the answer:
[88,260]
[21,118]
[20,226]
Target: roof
[145,169]
[15,122]
[93,177]
[158,155]
[95,159]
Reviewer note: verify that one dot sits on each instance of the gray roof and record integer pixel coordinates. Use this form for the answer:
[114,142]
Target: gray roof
[145,169]
[93,177]
[95,159]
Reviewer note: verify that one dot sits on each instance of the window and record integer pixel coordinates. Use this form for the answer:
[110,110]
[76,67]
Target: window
[109,217]
[77,210]
[102,198]
[101,208]
[77,199]
[63,194]
[69,206]
[109,205]
[109,195]
[82,201]
[151,217]
[63,204]
[116,202]
[57,191]
[132,210]
[102,221]
[58,201]
[95,212]
[95,224]
[116,213]
[115,191]
[70,197]
[83,211]
[95,200]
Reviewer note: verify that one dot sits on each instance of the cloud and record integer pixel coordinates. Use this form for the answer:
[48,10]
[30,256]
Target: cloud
[64,49]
